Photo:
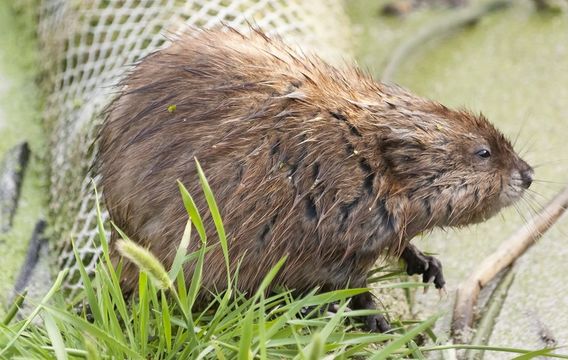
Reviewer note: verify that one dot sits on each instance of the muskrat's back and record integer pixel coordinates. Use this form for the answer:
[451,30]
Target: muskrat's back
[305,160]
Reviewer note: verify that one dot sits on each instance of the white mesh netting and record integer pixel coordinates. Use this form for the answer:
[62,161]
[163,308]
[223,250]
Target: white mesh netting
[86,45]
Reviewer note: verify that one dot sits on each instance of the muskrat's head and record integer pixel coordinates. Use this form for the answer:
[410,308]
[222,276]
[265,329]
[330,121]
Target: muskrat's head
[454,167]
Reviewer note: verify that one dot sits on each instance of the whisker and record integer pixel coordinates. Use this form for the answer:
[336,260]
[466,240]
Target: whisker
[533,192]
[532,205]
[502,215]
[527,147]
[533,209]
[518,210]
[532,196]
[533,227]
[550,182]
[542,209]
[521,128]
[546,163]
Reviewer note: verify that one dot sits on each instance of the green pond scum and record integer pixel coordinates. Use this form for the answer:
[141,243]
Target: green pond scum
[20,114]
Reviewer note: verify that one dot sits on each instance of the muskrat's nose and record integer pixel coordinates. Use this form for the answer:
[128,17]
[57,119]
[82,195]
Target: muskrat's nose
[527,177]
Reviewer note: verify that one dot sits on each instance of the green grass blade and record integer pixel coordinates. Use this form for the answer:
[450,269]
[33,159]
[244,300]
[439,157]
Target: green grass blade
[91,350]
[404,339]
[246,336]
[262,328]
[110,269]
[314,349]
[101,228]
[291,311]
[534,354]
[58,281]
[88,286]
[195,284]
[181,252]
[333,322]
[216,215]
[166,322]
[96,332]
[112,301]
[219,314]
[333,296]
[143,312]
[205,352]
[14,308]
[102,236]
[55,336]
[416,353]
[182,289]
[192,211]
[269,277]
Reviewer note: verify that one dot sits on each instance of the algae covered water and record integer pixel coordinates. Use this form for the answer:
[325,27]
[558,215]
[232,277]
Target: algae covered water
[20,102]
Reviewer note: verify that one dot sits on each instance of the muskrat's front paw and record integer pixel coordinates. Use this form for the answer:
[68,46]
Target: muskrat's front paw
[428,266]
[418,264]
[377,323]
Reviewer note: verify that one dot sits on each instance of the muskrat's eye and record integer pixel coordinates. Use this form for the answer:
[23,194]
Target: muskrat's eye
[483,153]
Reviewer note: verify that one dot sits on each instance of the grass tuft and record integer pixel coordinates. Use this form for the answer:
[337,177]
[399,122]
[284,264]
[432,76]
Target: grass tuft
[161,321]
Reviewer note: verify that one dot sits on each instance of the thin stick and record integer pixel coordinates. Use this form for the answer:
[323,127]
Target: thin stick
[505,255]
[493,308]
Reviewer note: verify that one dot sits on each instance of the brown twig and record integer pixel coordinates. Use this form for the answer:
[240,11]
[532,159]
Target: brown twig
[505,255]
[492,310]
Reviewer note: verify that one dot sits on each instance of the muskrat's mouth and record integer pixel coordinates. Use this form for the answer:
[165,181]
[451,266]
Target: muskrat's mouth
[517,184]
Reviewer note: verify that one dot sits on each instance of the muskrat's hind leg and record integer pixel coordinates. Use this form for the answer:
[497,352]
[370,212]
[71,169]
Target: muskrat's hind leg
[375,322]
[428,266]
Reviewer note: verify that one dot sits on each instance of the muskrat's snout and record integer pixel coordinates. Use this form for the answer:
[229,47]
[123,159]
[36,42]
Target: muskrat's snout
[527,177]
[520,179]
[525,174]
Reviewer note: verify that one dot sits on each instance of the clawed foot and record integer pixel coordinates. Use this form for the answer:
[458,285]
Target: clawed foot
[428,266]
[375,322]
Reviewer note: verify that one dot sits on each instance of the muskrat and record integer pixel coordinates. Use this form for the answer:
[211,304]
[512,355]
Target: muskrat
[324,165]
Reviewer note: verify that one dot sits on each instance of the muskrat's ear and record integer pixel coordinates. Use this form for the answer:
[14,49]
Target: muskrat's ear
[401,141]
[401,154]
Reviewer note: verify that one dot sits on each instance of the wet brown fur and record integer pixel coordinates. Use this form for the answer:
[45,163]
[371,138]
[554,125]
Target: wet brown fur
[323,164]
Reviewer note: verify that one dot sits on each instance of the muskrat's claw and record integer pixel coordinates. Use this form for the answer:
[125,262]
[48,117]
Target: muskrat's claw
[434,272]
[428,266]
